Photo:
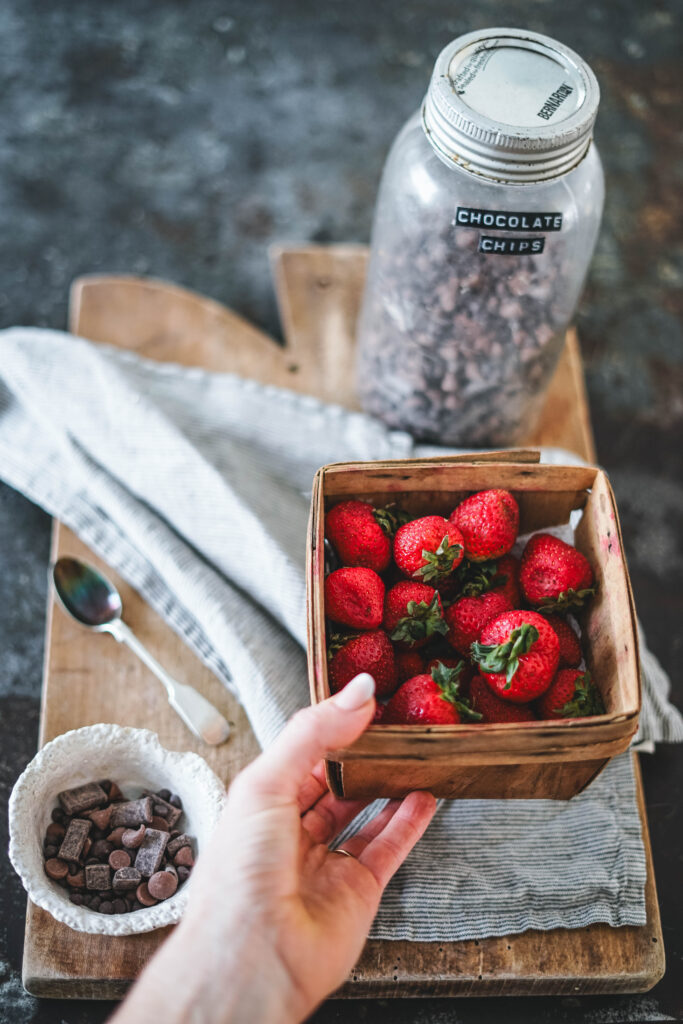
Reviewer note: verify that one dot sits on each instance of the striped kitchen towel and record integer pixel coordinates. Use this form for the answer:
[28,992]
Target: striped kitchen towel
[194,487]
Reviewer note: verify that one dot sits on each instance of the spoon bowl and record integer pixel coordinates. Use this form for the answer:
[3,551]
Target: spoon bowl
[86,594]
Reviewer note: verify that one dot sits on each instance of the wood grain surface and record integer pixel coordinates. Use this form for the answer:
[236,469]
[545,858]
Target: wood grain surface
[91,679]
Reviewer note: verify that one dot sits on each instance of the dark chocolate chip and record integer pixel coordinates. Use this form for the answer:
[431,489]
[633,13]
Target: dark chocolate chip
[159,823]
[119,906]
[77,898]
[115,794]
[101,849]
[176,801]
[183,873]
[50,851]
[55,832]
[164,793]
[106,907]
[58,815]
[95,902]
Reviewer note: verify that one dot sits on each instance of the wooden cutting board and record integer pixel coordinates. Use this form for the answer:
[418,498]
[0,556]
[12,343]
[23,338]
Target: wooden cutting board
[91,679]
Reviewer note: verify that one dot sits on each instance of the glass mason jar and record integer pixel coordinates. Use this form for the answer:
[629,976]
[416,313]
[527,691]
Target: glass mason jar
[486,220]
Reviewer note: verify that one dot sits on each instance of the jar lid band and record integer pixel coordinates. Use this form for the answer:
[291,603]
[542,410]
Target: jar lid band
[510,105]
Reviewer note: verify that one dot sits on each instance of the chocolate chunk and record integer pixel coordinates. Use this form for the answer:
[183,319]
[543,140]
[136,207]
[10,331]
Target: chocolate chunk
[98,877]
[82,798]
[151,851]
[183,873]
[101,818]
[56,869]
[74,840]
[144,896]
[132,813]
[132,838]
[162,885]
[184,857]
[55,832]
[125,879]
[177,843]
[171,812]
[101,849]
[119,859]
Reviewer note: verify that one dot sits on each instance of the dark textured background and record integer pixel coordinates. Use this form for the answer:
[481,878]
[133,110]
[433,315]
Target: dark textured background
[179,139]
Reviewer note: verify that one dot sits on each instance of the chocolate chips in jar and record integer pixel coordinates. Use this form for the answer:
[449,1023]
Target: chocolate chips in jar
[481,242]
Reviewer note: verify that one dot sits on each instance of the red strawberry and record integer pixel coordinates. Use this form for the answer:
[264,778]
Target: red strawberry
[429,699]
[488,521]
[572,694]
[506,579]
[428,549]
[360,534]
[493,709]
[553,575]
[354,597]
[409,664]
[517,655]
[467,616]
[413,614]
[570,648]
[367,652]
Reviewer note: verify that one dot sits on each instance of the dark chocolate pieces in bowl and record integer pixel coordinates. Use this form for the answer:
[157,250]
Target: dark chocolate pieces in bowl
[115,855]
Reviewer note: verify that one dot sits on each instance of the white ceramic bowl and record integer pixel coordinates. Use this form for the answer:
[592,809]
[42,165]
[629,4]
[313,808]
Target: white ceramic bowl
[135,760]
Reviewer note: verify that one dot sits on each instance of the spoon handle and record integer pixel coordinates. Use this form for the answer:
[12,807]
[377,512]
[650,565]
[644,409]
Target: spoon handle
[198,714]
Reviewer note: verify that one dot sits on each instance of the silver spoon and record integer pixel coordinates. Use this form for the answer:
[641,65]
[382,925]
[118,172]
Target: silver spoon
[94,602]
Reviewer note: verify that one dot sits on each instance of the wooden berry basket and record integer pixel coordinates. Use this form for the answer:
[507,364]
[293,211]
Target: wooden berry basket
[498,761]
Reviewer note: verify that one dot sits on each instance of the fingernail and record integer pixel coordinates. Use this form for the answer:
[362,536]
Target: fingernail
[356,693]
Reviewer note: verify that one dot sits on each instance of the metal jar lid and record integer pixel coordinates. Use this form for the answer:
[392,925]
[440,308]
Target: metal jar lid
[511,105]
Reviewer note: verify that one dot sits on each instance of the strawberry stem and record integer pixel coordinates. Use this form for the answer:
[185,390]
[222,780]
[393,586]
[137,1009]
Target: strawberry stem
[566,600]
[504,658]
[448,681]
[439,563]
[587,699]
[476,578]
[422,621]
[390,518]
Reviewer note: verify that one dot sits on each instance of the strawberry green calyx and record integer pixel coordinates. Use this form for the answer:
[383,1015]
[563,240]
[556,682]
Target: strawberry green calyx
[587,699]
[567,600]
[504,658]
[422,621]
[448,681]
[439,563]
[390,518]
[336,642]
[476,578]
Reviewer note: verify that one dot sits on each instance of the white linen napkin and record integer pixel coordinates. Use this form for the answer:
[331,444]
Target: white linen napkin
[194,487]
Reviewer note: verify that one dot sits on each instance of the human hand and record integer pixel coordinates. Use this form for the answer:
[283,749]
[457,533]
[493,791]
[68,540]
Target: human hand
[275,920]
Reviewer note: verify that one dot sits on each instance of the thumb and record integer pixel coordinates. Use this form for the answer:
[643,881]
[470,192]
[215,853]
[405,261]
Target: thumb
[310,734]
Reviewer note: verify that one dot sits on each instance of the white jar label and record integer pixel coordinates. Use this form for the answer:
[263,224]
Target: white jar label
[510,246]
[505,220]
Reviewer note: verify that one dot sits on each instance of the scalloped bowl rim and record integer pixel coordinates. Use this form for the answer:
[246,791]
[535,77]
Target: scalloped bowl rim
[30,801]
